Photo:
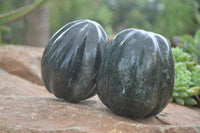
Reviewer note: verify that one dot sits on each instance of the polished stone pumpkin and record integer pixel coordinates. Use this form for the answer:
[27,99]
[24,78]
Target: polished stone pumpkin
[72,58]
[136,77]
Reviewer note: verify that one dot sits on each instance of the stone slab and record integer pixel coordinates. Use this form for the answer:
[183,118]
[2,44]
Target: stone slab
[22,61]
[48,114]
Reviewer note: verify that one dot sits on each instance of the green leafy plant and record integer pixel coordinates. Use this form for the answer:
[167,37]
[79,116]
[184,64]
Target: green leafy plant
[187,78]
[191,45]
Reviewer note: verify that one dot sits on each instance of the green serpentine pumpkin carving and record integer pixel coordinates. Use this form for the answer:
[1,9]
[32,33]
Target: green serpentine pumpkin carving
[136,77]
[72,58]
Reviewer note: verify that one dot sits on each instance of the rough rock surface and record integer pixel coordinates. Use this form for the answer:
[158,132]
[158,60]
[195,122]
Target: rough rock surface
[41,114]
[28,107]
[22,61]
[12,85]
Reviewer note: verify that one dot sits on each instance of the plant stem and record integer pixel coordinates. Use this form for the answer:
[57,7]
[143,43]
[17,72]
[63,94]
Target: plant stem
[198,99]
[20,13]
[0,39]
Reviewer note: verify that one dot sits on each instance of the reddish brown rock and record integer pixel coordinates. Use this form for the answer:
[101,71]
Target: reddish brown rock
[42,114]
[22,61]
[13,85]
[28,107]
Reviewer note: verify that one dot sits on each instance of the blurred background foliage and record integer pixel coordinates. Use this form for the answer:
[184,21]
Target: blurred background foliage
[167,17]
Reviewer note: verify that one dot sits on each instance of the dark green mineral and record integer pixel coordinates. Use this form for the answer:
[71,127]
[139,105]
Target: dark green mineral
[72,58]
[136,77]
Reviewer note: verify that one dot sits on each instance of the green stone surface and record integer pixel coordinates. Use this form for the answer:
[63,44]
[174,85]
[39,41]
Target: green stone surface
[136,77]
[72,59]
